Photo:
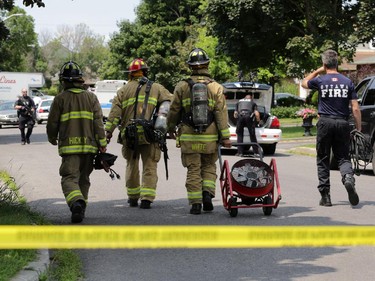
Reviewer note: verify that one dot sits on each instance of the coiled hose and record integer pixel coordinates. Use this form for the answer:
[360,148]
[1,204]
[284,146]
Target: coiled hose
[361,150]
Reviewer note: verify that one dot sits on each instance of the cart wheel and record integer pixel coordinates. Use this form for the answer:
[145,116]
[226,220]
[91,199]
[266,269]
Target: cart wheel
[267,211]
[233,212]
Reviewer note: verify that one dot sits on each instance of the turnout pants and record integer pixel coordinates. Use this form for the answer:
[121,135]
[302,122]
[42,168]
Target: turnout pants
[150,156]
[201,175]
[332,134]
[75,173]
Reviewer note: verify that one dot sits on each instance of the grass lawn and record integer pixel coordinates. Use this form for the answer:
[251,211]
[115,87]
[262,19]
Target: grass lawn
[295,132]
[14,211]
[292,128]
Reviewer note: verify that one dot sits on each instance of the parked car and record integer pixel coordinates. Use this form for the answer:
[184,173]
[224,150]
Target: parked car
[8,115]
[366,98]
[287,99]
[268,133]
[42,110]
[37,96]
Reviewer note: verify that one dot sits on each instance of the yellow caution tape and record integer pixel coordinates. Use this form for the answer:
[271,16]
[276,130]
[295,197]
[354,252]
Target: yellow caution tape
[69,237]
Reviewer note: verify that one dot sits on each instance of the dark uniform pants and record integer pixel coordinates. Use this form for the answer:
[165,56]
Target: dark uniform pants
[245,120]
[332,134]
[23,122]
[75,173]
[201,175]
[150,155]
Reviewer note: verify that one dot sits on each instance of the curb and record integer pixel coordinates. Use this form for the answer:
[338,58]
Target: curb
[305,139]
[34,269]
[304,151]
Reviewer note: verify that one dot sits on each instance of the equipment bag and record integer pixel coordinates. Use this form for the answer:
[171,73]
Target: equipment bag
[361,150]
[140,131]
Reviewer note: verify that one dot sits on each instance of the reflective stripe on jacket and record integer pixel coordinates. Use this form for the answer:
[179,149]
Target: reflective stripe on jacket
[76,121]
[191,141]
[123,105]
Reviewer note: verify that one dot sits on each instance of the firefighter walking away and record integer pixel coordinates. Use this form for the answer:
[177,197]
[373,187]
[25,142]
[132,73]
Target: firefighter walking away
[132,111]
[199,112]
[75,124]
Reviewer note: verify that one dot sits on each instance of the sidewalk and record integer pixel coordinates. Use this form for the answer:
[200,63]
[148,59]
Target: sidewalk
[34,269]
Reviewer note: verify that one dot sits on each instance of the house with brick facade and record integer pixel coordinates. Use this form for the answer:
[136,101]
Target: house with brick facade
[363,64]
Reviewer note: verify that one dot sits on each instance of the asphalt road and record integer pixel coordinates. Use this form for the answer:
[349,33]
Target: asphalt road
[35,168]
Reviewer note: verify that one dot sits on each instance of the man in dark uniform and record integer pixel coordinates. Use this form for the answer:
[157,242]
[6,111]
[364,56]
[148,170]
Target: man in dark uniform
[336,93]
[26,111]
[248,116]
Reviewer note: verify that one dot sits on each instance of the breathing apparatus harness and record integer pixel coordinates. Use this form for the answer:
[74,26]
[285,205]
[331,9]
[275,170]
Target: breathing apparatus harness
[151,135]
[199,117]
[361,151]
[131,131]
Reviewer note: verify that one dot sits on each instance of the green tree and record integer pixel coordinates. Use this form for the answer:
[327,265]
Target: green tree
[162,35]
[289,34]
[93,52]
[7,6]
[31,3]
[221,66]
[56,54]
[78,43]
[20,42]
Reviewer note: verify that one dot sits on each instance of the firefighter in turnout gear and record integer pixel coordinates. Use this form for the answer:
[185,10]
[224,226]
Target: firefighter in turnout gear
[200,112]
[132,111]
[75,124]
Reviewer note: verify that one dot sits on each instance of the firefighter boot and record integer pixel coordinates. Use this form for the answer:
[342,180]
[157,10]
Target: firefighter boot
[326,199]
[349,183]
[195,209]
[133,202]
[207,201]
[145,204]
[78,211]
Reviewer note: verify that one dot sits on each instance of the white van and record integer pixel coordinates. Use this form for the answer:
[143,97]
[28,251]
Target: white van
[106,90]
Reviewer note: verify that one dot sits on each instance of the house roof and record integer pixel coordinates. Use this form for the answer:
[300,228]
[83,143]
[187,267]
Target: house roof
[361,57]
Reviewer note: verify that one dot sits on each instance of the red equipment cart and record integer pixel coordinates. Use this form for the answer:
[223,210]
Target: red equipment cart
[250,184]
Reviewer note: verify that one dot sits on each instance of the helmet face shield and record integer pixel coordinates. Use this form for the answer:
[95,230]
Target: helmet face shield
[71,71]
[198,57]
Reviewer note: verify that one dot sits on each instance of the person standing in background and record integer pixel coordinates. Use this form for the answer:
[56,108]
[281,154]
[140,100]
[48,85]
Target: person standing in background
[26,113]
[248,116]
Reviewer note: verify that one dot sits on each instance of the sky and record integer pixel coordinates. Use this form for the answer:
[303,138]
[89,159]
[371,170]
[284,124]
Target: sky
[100,16]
